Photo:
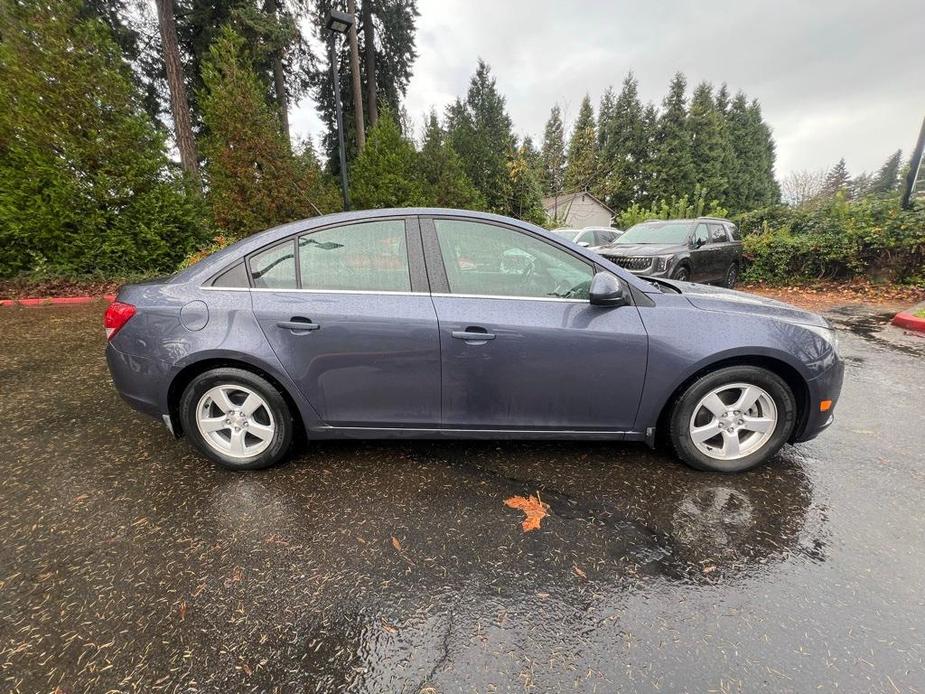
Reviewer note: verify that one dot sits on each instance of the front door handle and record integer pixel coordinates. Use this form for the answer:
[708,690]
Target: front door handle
[473,335]
[298,324]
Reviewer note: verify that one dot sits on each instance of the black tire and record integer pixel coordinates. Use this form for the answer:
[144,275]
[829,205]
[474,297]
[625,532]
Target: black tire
[682,274]
[281,440]
[732,276]
[683,411]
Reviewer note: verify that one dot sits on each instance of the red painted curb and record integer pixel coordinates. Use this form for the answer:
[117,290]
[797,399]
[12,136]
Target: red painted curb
[55,300]
[908,321]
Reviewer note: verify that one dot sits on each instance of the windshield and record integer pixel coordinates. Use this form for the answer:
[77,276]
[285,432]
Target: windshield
[570,234]
[657,232]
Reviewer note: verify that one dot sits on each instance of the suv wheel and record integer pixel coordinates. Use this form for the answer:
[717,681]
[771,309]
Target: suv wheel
[682,274]
[236,418]
[732,419]
[732,276]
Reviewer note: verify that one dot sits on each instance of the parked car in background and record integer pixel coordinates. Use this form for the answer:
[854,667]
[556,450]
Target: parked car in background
[706,249]
[432,323]
[590,237]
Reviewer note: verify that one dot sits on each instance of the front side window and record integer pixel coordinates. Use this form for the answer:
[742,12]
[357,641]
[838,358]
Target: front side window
[489,260]
[369,256]
[274,268]
[701,235]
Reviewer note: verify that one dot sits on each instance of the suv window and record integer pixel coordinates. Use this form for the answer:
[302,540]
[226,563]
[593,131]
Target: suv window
[717,233]
[490,260]
[701,233]
[733,232]
[369,256]
[274,268]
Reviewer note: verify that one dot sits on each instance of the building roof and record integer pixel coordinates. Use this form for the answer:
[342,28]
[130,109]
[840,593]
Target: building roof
[566,199]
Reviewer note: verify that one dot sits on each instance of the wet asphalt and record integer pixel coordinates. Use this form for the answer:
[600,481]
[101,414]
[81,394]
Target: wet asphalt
[128,563]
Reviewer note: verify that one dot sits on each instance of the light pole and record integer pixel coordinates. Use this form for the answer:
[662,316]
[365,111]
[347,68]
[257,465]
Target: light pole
[339,23]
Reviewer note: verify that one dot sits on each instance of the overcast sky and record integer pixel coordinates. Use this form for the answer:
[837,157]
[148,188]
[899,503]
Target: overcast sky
[834,78]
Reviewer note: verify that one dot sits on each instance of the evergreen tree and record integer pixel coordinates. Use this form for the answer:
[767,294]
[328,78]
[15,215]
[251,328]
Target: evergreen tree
[887,178]
[393,26]
[534,159]
[444,180]
[605,113]
[752,183]
[526,193]
[85,182]
[386,173]
[254,179]
[837,180]
[553,154]
[581,170]
[710,147]
[479,129]
[626,146]
[673,173]
[646,165]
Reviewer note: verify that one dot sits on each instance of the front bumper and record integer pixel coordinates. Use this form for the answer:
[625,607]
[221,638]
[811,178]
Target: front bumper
[824,387]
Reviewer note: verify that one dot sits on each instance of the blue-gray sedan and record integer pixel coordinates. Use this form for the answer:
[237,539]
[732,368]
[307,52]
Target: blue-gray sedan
[427,323]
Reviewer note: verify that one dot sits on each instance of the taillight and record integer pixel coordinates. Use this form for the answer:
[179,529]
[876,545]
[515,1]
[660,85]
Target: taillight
[117,315]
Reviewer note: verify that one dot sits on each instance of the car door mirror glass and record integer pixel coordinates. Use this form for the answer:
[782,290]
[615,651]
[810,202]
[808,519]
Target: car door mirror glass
[583,244]
[608,290]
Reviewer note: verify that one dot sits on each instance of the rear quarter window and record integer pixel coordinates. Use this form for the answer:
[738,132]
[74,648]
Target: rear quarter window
[235,277]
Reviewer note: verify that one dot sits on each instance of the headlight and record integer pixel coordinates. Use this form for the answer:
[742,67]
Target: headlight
[660,264]
[827,334]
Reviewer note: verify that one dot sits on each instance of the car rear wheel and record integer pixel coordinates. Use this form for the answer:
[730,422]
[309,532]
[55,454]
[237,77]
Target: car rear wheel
[732,419]
[732,276]
[682,274]
[236,418]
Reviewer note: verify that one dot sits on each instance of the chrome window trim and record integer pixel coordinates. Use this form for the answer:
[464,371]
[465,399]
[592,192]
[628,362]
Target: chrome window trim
[450,295]
[313,291]
[443,295]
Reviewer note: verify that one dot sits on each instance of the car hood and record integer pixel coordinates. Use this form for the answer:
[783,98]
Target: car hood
[711,298]
[643,249]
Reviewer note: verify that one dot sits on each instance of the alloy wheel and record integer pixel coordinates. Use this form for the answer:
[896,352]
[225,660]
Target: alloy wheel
[235,421]
[733,421]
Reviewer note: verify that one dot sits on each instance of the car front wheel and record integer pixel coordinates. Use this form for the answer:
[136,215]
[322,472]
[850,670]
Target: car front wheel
[682,274]
[732,419]
[236,418]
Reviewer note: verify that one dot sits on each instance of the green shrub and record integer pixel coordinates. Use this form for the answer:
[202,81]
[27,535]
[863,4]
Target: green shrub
[684,207]
[839,239]
[86,187]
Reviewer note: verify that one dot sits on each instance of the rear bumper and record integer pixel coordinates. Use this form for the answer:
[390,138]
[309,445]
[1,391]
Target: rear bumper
[824,387]
[138,380]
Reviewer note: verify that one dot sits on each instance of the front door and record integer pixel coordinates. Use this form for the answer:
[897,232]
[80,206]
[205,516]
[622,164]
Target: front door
[349,325]
[522,348]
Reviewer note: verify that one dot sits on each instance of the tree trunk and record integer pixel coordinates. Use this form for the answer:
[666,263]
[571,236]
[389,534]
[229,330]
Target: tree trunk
[355,72]
[271,7]
[179,104]
[372,108]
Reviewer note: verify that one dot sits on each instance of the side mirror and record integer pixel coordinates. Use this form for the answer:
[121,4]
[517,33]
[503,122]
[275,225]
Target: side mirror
[607,290]
[583,244]
[699,242]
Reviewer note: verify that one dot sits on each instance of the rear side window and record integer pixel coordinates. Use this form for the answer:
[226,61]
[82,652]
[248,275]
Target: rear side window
[233,277]
[370,256]
[274,268]
[733,232]
[718,233]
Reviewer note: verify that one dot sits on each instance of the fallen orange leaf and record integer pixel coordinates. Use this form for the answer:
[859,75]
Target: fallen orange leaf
[533,507]
[396,544]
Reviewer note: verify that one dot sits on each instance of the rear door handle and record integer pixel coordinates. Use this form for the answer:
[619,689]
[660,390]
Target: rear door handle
[473,335]
[298,325]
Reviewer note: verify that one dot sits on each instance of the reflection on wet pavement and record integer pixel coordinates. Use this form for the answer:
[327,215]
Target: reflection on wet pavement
[128,563]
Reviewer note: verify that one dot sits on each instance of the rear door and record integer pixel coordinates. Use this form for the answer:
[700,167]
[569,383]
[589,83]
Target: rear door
[347,310]
[522,347]
[703,260]
[724,249]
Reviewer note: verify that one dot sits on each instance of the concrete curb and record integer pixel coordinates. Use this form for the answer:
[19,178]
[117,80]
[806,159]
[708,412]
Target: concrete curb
[56,300]
[907,320]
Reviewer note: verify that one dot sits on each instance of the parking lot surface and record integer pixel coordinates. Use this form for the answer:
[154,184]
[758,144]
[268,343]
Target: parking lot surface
[129,563]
